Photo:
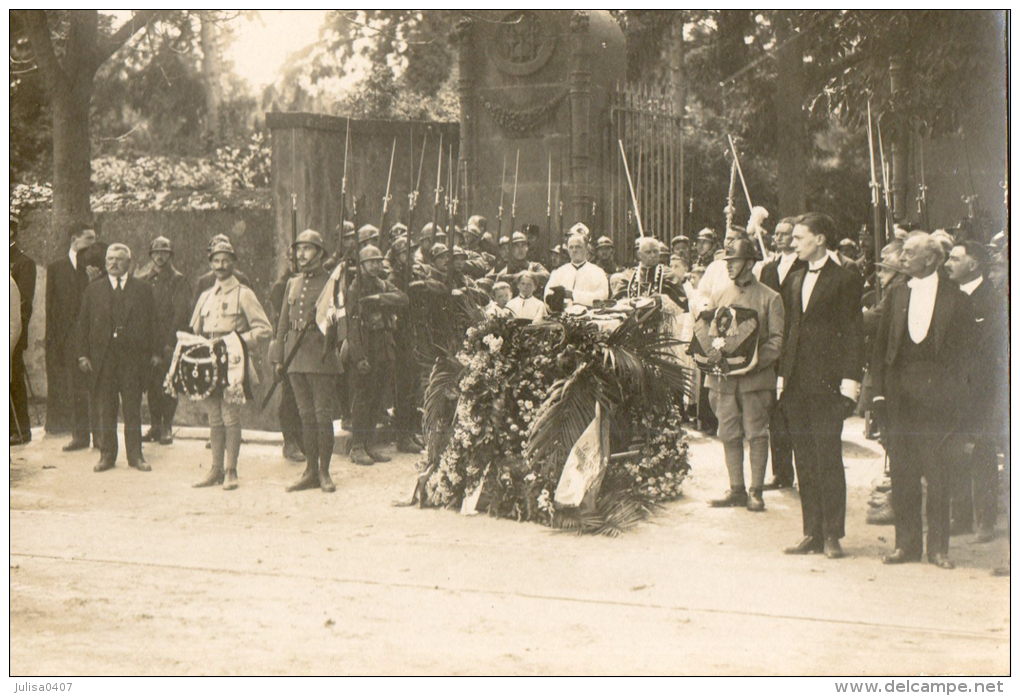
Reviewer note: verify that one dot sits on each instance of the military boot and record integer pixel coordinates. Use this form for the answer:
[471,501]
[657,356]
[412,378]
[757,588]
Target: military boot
[233,449]
[755,503]
[325,482]
[735,497]
[360,456]
[217,443]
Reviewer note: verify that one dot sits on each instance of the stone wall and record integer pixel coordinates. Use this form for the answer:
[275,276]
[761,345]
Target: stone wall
[251,231]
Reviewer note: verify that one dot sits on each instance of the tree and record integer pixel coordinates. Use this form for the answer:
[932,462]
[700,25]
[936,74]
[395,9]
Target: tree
[68,50]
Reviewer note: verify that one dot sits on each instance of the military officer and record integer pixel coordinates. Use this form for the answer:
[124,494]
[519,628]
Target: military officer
[518,262]
[372,304]
[313,368]
[224,309]
[605,255]
[705,252]
[171,297]
[680,246]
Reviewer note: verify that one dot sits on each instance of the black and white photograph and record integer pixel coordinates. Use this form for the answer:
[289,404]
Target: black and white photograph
[504,343]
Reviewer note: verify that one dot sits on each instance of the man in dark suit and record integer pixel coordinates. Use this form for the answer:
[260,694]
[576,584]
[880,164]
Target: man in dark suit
[22,269]
[975,485]
[921,395]
[776,275]
[820,378]
[67,397]
[117,347]
[170,295]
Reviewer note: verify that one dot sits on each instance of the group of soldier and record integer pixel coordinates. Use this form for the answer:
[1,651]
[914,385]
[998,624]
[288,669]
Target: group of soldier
[924,332]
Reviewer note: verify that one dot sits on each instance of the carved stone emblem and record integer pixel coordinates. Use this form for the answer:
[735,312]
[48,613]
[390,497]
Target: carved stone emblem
[524,44]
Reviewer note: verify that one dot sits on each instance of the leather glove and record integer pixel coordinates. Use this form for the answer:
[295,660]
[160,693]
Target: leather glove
[707,315]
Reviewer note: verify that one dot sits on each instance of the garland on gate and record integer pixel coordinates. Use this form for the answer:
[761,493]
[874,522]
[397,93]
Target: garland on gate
[512,402]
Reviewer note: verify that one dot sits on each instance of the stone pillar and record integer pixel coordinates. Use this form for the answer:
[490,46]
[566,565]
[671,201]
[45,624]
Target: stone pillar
[580,119]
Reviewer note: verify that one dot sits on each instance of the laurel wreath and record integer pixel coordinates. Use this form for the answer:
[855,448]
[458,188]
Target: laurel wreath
[524,120]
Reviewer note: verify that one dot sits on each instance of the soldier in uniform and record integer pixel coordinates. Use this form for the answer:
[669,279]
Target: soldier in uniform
[680,246]
[406,378]
[605,255]
[208,279]
[372,305]
[225,308]
[519,262]
[742,402]
[287,412]
[705,252]
[171,295]
[313,366]
[477,263]
[368,234]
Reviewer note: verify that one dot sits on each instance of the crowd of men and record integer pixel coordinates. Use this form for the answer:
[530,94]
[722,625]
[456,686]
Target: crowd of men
[922,325]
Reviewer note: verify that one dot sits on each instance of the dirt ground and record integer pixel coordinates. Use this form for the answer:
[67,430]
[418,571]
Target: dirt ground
[130,573]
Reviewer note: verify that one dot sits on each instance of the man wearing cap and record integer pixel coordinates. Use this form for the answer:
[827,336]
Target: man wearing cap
[578,281]
[605,255]
[716,276]
[372,304]
[705,252]
[226,311]
[742,402]
[650,278]
[313,366]
[975,488]
[775,275]
[519,262]
[170,296]
[117,347]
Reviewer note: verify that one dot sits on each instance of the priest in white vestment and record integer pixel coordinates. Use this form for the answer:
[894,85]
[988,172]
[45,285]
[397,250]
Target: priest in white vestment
[582,282]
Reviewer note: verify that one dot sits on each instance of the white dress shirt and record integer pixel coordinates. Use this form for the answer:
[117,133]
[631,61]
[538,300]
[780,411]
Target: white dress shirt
[785,264]
[527,308]
[922,305]
[586,281]
[115,281]
[810,278]
[969,288]
[73,255]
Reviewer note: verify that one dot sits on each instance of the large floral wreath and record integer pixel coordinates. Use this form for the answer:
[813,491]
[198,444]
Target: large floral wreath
[508,407]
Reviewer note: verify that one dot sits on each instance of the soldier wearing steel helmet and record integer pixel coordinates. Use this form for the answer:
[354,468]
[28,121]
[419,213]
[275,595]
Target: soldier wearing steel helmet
[705,251]
[225,308]
[313,368]
[742,402]
[605,255]
[372,305]
[518,262]
[171,296]
[407,396]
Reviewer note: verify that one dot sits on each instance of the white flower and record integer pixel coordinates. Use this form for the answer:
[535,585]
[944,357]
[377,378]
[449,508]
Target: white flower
[718,343]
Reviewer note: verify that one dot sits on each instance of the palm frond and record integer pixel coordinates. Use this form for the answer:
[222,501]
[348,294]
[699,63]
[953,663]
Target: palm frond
[440,403]
[567,411]
[615,512]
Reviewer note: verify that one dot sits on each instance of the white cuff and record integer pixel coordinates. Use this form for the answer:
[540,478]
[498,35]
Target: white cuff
[851,389]
[779,383]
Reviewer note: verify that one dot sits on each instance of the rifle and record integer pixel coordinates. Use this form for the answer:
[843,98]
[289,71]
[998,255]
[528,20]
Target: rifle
[876,203]
[412,203]
[630,186]
[513,201]
[387,197]
[293,228]
[439,186]
[450,233]
[499,210]
[922,188]
[286,362]
[885,183]
[343,186]
[455,193]
[548,197]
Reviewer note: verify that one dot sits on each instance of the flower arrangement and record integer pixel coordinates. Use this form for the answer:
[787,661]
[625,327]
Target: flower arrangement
[523,393]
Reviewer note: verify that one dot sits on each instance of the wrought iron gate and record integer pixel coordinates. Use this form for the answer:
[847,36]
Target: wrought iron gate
[650,126]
